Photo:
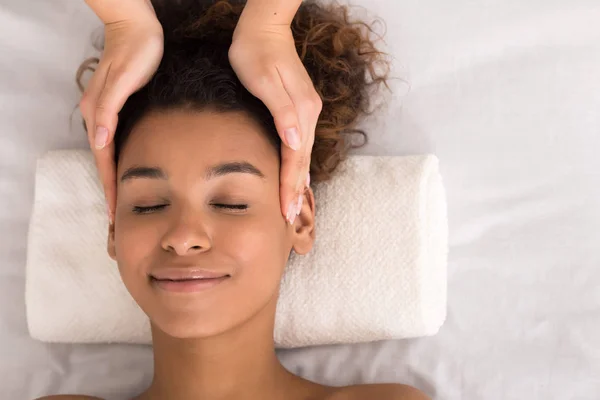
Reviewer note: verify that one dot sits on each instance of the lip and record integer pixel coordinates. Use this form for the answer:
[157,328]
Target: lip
[187,280]
[180,274]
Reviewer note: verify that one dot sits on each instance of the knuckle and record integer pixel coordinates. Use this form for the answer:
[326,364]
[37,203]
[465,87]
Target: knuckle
[84,99]
[307,103]
[103,104]
[101,108]
[302,161]
[318,102]
[85,103]
[235,48]
[312,103]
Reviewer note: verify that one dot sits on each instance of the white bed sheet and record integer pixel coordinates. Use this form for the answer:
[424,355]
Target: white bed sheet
[505,92]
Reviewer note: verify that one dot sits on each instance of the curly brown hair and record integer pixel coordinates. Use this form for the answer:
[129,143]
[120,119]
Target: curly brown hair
[339,55]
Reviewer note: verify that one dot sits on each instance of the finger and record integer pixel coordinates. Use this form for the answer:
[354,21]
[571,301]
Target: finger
[104,156]
[292,163]
[118,87]
[303,177]
[295,166]
[87,105]
[294,176]
[304,96]
[271,91]
[107,172]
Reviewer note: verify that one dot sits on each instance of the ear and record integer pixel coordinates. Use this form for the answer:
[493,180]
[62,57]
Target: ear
[110,244]
[303,235]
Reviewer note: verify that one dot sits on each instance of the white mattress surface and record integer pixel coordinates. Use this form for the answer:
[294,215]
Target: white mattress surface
[505,92]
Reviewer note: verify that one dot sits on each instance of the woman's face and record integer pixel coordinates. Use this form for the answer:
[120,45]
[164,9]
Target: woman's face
[199,237]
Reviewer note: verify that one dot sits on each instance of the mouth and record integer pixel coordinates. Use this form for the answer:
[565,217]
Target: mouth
[181,281]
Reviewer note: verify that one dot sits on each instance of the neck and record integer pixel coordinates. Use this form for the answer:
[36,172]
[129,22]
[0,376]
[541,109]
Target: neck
[238,364]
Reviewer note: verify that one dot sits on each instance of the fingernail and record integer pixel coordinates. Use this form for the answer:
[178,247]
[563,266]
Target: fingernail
[291,213]
[300,201]
[101,137]
[292,138]
[308,180]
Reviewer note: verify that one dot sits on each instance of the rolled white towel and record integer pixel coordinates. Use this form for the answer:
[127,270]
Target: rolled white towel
[377,270]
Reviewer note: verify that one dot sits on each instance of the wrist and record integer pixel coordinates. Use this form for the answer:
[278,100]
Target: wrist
[269,12]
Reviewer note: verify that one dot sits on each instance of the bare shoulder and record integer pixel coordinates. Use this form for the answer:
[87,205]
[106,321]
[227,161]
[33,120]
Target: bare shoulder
[69,397]
[390,391]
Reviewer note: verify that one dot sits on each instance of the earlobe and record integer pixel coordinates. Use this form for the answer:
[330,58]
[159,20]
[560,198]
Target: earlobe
[304,226]
[110,244]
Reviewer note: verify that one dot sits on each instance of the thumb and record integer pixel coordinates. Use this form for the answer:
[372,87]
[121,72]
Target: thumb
[270,90]
[115,92]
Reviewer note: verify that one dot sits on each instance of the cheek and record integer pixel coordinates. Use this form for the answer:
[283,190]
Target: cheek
[259,247]
[135,244]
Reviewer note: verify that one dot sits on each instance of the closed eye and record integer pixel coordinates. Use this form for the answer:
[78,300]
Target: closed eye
[159,207]
[149,209]
[233,207]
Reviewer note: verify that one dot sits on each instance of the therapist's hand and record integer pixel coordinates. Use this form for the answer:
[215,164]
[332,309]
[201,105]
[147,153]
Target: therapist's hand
[133,49]
[265,60]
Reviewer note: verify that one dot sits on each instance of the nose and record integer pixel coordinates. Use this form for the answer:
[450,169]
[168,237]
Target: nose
[185,238]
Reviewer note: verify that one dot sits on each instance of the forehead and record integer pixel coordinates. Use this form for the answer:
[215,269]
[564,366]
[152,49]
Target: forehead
[180,137]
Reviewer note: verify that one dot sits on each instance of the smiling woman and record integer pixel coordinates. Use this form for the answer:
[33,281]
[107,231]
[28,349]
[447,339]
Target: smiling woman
[197,199]
[198,235]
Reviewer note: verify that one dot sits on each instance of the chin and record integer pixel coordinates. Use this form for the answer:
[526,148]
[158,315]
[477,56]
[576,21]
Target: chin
[188,327]
[186,332]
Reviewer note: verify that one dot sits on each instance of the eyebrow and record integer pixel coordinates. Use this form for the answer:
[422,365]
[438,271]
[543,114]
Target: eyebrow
[237,167]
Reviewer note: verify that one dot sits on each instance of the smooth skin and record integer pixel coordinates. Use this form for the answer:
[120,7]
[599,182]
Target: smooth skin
[201,190]
[263,56]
